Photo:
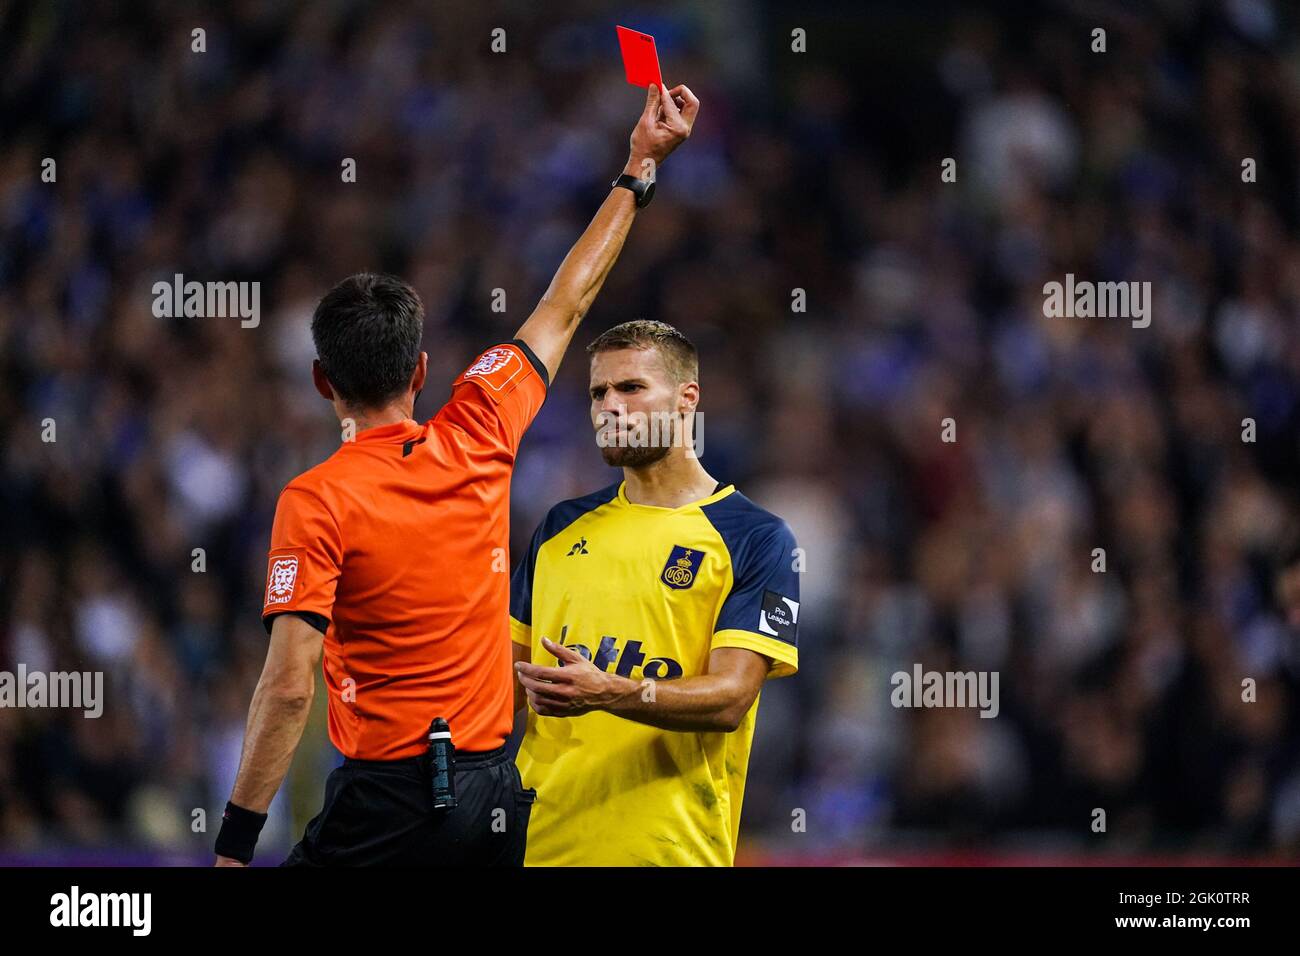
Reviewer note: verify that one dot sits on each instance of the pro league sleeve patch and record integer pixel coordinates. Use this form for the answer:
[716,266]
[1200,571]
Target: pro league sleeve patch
[779,617]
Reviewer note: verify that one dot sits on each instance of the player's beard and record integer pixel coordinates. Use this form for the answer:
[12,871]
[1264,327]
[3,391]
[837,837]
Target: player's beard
[633,457]
[636,444]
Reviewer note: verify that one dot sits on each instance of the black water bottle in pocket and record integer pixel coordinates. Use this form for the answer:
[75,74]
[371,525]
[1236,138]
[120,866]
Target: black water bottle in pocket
[442,765]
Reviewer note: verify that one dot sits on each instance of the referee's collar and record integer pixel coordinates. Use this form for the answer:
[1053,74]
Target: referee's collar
[396,432]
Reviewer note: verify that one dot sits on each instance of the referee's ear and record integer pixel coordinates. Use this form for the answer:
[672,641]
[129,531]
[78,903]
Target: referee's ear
[320,381]
[421,370]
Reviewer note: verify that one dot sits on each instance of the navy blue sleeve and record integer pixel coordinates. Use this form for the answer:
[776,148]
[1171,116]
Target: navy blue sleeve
[764,596]
[521,582]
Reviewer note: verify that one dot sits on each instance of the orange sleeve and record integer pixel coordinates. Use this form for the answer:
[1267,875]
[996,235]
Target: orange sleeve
[305,559]
[498,396]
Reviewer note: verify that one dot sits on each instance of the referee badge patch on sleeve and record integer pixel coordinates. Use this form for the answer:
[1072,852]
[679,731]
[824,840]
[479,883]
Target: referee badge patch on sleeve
[496,369]
[779,617]
[281,576]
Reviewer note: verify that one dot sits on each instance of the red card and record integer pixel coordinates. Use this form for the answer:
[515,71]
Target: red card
[640,61]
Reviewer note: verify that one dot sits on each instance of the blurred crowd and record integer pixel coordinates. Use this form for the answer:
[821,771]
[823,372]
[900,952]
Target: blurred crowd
[852,310]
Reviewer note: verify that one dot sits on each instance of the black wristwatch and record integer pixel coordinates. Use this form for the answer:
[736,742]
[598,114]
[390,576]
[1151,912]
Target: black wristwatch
[642,189]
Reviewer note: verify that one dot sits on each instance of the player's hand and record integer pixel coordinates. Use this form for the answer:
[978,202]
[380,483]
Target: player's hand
[576,688]
[227,861]
[664,125]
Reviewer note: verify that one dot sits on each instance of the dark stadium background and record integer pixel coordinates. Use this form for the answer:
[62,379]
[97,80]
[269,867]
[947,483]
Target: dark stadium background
[817,171]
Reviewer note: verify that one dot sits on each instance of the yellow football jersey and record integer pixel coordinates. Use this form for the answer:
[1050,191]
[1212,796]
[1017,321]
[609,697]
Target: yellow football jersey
[648,592]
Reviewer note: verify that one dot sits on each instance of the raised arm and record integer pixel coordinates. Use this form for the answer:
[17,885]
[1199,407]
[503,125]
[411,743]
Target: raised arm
[664,125]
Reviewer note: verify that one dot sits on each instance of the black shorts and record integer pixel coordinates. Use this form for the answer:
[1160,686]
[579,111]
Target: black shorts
[380,813]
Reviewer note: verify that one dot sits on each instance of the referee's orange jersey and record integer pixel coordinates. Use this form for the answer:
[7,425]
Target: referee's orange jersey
[397,548]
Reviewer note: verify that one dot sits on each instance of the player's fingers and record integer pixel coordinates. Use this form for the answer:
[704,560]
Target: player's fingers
[547,706]
[541,677]
[553,705]
[527,681]
[561,652]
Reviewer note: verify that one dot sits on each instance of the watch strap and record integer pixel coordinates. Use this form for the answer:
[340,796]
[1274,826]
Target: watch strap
[640,188]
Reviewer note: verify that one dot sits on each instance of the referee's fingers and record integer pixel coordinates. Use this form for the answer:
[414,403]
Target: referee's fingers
[690,103]
[671,114]
[651,102]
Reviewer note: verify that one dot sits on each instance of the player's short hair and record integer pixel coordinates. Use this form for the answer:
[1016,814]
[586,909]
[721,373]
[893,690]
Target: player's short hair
[679,354]
[367,331]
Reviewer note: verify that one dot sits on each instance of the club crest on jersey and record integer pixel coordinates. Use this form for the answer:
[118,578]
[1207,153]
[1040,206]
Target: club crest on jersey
[682,566]
[280,579]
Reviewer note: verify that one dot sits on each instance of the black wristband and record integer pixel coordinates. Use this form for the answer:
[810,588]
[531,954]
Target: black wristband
[239,831]
[643,189]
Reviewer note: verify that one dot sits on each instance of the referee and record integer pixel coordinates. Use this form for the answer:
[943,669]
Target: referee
[386,561]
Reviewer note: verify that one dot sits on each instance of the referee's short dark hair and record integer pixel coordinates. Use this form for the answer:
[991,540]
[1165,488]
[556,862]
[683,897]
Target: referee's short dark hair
[367,331]
[679,354]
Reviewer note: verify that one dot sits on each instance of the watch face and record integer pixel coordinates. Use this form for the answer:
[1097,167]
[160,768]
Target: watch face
[648,193]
